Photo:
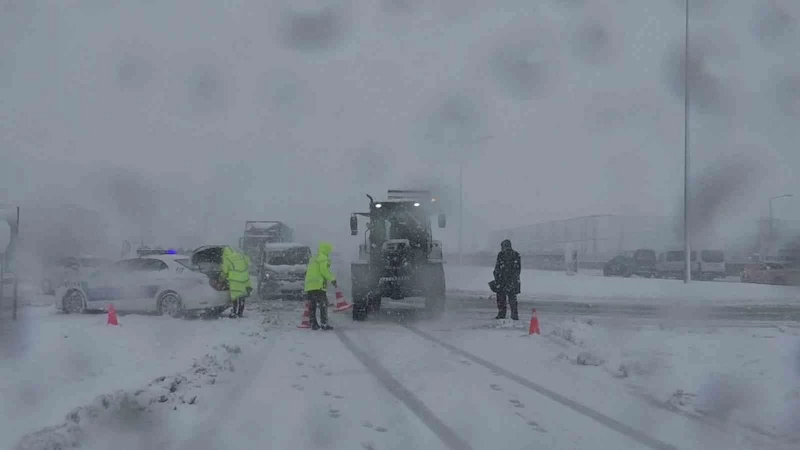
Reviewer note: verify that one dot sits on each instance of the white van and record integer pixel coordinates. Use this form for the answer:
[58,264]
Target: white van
[710,265]
[671,263]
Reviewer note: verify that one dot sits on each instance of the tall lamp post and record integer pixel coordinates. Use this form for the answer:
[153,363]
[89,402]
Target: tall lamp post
[687,276]
[771,220]
[461,201]
[461,196]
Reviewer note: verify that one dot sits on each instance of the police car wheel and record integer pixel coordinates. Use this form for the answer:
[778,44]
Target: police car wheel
[74,302]
[170,304]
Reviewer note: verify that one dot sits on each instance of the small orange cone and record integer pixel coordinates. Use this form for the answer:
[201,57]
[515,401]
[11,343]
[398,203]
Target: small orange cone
[341,302]
[534,327]
[112,315]
[306,317]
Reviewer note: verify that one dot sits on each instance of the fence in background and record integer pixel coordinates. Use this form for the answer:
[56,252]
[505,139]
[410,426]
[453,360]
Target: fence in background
[599,238]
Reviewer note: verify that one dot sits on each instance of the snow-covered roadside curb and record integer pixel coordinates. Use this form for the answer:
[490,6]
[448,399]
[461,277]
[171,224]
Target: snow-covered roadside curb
[111,365]
[131,418]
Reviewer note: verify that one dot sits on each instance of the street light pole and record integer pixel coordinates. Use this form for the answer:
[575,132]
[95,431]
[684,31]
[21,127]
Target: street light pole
[460,211]
[461,202]
[771,220]
[687,247]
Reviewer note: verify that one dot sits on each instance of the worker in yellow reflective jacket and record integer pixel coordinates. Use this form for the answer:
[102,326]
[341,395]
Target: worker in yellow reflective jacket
[318,274]
[236,270]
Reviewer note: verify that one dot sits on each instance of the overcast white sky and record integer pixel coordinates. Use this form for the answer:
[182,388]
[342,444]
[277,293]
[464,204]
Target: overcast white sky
[244,109]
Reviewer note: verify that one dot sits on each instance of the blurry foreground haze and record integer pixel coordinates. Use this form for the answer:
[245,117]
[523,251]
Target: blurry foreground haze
[176,120]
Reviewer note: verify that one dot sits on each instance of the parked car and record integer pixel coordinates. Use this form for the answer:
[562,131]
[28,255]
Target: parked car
[771,273]
[619,266]
[641,262]
[645,260]
[167,284]
[55,273]
[282,270]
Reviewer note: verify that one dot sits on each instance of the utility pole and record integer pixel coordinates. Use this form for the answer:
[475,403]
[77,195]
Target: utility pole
[460,212]
[686,245]
[771,217]
[461,201]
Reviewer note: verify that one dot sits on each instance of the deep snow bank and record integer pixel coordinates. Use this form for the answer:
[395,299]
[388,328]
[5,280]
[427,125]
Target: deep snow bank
[729,378]
[52,363]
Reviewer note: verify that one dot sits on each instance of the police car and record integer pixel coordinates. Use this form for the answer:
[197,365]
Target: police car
[166,283]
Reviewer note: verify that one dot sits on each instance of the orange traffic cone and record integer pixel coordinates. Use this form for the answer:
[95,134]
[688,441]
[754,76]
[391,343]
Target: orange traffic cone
[341,302]
[534,327]
[112,315]
[306,317]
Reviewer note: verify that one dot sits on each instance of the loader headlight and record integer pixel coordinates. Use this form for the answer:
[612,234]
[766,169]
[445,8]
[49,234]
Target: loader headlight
[416,204]
[378,205]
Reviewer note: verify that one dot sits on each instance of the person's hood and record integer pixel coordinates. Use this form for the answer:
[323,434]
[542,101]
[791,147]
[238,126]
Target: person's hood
[505,245]
[227,252]
[325,248]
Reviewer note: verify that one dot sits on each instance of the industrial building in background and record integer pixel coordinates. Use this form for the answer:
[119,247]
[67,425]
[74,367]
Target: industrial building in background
[599,238]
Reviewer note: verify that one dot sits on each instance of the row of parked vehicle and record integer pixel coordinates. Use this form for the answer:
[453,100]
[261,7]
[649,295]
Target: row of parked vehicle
[170,283]
[706,264]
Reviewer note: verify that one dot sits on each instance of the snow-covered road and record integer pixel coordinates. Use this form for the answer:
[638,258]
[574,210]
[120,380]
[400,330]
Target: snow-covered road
[399,381]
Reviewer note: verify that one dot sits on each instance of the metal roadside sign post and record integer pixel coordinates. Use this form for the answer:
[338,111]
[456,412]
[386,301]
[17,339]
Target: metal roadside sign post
[2,279]
[11,216]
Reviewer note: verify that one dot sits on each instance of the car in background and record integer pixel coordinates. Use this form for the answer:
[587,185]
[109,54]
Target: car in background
[56,272]
[771,273]
[641,262]
[619,266]
[282,270]
[168,284]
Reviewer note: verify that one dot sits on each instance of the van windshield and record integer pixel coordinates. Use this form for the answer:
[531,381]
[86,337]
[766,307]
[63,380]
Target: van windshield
[289,257]
[712,256]
[675,256]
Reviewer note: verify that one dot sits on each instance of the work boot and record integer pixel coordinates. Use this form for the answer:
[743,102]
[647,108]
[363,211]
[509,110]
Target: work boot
[514,316]
[500,316]
[314,326]
[327,327]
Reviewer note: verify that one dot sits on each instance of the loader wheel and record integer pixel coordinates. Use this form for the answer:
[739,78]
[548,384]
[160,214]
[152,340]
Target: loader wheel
[435,290]
[359,311]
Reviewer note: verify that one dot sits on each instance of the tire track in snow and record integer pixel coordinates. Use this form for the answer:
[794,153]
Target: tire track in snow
[415,405]
[597,416]
[206,433]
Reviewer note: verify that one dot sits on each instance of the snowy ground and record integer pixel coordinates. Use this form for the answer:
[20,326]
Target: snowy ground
[398,381]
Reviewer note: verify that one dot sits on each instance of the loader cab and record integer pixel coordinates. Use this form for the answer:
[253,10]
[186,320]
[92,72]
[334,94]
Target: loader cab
[400,220]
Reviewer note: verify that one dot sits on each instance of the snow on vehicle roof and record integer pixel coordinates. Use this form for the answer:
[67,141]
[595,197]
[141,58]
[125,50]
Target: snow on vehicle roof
[263,225]
[284,245]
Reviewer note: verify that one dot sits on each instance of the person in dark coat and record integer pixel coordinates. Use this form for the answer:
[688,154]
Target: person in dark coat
[506,277]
